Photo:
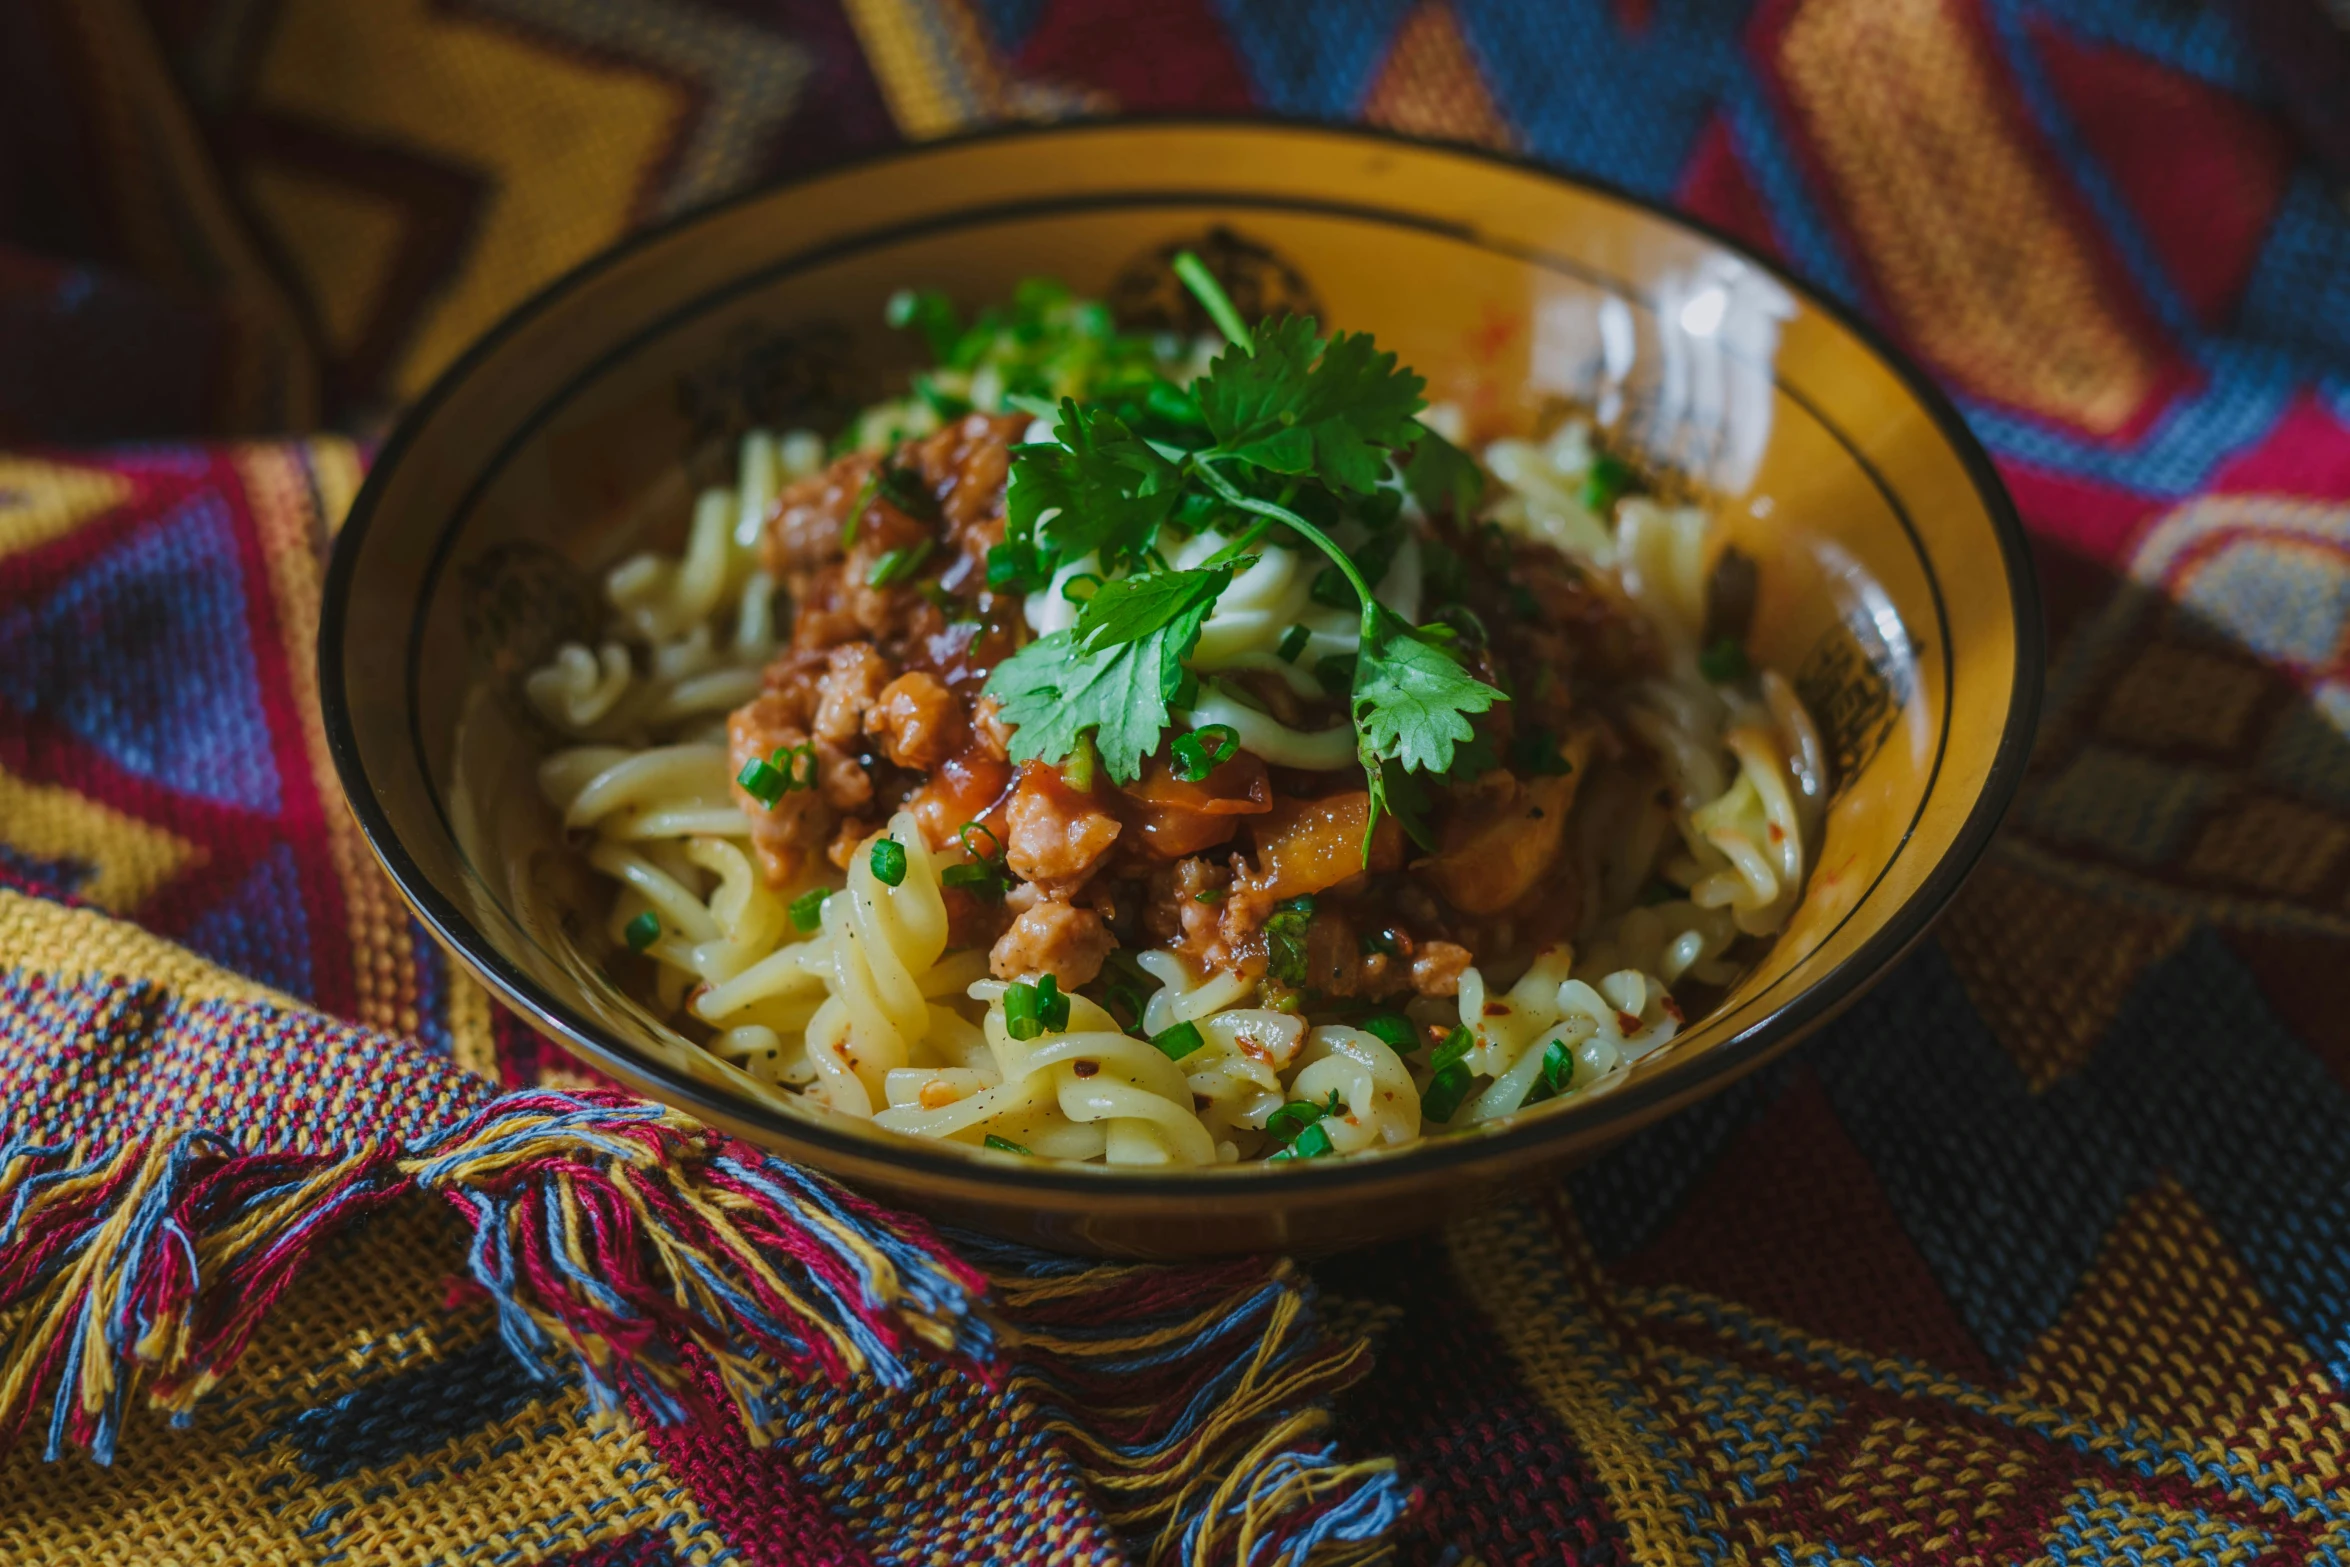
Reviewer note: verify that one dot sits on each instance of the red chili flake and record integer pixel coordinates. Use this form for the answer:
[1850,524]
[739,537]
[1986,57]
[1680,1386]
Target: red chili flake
[1085,1068]
[1201,1101]
[1672,1009]
[1627,1022]
[1497,1009]
[1778,833]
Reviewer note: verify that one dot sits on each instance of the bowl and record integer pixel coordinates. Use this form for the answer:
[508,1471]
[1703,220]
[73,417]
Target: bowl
[1894,584]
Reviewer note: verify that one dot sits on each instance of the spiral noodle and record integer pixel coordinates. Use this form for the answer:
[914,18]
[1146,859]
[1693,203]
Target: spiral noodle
[1543,492]
[1090,1091]
[1605,1024]
[842,990]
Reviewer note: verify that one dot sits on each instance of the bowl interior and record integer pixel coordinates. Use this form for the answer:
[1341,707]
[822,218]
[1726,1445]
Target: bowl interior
[1892,588]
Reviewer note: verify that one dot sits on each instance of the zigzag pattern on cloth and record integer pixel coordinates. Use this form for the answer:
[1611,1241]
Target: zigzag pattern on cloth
[2038,1254]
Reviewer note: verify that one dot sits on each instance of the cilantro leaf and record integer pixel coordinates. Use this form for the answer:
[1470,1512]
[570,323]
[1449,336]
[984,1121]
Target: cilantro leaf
[1127,609]
[1292,404]
[1397,793]
[1112,673]
[1412,704]
[1441,476]
[1099,487]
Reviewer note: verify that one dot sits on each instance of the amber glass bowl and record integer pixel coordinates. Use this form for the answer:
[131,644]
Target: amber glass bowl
[1894,584]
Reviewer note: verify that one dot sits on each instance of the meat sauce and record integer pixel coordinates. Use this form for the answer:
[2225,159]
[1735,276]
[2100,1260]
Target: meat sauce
[882,679]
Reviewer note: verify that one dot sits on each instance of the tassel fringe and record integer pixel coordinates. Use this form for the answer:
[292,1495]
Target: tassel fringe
[1201,1413]
[604,1230]
[667,1261]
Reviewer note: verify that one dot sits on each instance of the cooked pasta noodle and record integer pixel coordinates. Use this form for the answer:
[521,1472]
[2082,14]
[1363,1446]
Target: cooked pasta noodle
[824,947]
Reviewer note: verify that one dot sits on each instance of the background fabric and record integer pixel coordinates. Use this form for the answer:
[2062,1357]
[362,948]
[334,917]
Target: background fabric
[2042,1253]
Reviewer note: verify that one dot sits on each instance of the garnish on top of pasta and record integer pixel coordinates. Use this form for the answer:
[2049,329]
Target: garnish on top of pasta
[1135,749]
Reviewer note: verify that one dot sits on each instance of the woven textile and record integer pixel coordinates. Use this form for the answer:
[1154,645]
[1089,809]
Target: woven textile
[2040,1254]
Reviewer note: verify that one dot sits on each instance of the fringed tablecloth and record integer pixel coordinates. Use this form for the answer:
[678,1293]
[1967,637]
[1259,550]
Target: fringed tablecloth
[311,1254]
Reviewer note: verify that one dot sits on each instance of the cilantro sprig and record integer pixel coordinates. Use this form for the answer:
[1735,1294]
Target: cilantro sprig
[1288,423]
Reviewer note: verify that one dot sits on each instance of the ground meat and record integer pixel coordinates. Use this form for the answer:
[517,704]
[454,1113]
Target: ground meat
[990,730]
[1056,835]
[790,686]
[851,832]
[803,532]
[1051,936]
[1339,963]
[1184,909]
[841,778]
[787,837]
[853,679]
[965,466]
[918,720]
[1437,968]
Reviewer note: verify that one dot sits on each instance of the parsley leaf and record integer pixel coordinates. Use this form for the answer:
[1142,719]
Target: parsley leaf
[1127,609]
[1412,697]
[1100,487]
[1293,405]
[1441,476]
[1112,673]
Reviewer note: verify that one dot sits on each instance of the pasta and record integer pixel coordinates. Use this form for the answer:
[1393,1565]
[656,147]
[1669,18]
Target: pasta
[839,863]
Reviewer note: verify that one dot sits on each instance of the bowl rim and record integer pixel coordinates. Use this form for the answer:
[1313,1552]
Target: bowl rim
[1622,1111]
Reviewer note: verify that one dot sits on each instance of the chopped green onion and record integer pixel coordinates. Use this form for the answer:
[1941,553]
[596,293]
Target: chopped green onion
[1558,1069]
[983,882]
[1284,1124]
[1034,1010]
[898,564]
[1606,480]
[1202,751]
[1394,1030]
[1004,1145]
[1121,996]
[1285,939]
[1052,1007]
[1336,671]
[1177,1042]
[1210,293]
[1094,586]
[1208,895]
[1558,1065]
[1444,1093]
[1724,663]
[1293,642]
[642,931]
[1312,1143]
[1020,1019]
[1536,752]
[889,862]
[762,782]
[1077,766]
[1450,1085]
[798,763]
[985,878]
[807,910]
